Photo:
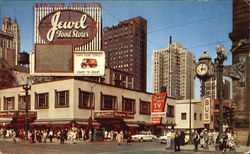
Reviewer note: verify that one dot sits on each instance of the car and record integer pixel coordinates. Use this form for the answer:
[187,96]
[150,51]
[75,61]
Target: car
[143,136]
[163,139]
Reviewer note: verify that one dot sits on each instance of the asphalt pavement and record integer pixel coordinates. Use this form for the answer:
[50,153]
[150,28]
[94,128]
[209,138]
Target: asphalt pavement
[106,147]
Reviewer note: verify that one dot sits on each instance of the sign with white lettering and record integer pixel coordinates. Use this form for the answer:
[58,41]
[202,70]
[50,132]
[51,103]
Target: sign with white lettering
[68,26]
[207,114]
[158,104]
[91,63]
[158,114]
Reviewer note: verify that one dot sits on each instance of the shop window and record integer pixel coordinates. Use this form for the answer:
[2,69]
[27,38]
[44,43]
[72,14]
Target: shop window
[61,98]
[145,107]
[42,101]
[22,103]
[108,102]
[195,116]
[85,99]
[183,116]
[128,104]
[170,112]
[9,103]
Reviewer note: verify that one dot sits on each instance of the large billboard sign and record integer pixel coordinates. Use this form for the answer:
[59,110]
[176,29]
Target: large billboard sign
[67,26]
[67,40]
[158,105]
[207,110]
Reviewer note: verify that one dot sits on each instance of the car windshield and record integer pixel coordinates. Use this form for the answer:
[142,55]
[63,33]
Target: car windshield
[143,133]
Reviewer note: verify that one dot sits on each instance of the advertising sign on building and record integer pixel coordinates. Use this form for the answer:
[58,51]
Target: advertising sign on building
[89,63]
[66,37]
[157,106]
[207,110]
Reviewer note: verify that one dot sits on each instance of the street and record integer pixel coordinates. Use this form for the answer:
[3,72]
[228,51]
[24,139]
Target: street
[95,147]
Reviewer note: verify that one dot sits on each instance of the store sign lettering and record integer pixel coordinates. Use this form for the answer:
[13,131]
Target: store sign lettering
[72,26]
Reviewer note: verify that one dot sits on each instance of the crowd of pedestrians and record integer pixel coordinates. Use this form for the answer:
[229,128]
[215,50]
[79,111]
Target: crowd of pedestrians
[48,135]
[204,139]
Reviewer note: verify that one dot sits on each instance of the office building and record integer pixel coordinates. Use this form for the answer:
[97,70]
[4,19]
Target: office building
[125,46]
[173,71]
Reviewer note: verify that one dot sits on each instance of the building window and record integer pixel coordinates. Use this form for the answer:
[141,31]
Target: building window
[183,116]
[200,116]
[108,102]
[22,103]
[85,99]
[128,104]
[61,98]
[42,101]
[195,116]
[9,103]
[145,107]
[170,111]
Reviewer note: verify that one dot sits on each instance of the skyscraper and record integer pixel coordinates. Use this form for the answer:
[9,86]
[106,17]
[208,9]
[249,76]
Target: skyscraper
[125,46]
[173,71]
[12,28]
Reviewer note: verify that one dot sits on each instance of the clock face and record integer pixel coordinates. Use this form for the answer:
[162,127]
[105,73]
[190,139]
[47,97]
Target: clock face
[202,69]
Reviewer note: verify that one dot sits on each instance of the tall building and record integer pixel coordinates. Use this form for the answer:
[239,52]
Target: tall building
[12,28]
[125,46]
[208,88]
[173,71]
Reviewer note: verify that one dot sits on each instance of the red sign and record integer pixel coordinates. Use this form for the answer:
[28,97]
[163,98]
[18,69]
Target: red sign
[158,104]
[64,26]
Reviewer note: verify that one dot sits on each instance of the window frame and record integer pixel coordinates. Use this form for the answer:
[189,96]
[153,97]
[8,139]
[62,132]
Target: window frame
[58,98]
[124,99]
[81,99]
[22,98]
[141,109]
[183,116]
[46,100]
[114,103]
[5,107]
[169,112]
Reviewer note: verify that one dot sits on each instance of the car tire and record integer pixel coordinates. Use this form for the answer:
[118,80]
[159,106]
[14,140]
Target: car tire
[141,140]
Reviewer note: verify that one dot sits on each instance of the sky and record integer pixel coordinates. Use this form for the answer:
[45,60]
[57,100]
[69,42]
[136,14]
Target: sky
[197,24]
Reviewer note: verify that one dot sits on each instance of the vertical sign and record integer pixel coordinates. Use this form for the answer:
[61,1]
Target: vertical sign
[158,104]
[207,109]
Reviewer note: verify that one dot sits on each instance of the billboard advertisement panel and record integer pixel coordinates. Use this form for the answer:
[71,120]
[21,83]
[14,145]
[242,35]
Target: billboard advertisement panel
[158,105]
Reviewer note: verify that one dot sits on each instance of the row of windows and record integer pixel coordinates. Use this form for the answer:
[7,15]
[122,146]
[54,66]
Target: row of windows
[108,102]
[184,116]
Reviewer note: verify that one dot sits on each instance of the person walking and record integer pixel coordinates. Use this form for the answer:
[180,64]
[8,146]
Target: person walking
[44,136]
[14,136]
[196,140]
[177,142]
[129,137]
[51,136]
[119,138]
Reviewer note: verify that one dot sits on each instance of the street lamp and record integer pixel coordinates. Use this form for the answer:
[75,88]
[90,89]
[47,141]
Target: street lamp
[26,87]
[221,57]
[91,111]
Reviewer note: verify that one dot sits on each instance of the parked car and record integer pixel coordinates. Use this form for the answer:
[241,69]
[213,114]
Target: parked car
[143,136]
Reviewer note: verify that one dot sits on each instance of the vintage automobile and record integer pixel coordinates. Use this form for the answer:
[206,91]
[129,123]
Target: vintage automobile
[92,63]
[143,136]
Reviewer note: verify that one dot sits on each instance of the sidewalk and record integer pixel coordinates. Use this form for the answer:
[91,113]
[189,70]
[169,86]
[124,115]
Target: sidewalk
[190,148]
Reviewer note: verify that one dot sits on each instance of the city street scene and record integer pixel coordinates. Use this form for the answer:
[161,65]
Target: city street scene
[124,76]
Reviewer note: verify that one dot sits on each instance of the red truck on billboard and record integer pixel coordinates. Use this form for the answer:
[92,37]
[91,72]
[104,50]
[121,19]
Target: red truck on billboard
[92,63]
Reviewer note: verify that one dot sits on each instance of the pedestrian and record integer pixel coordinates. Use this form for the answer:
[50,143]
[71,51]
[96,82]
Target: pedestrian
[206,138]
[14,136]
[62,137]
[177,142]
[172,140]
[231,142]
[51,135]
[196,140]
[224,142]
[119,137]
[129,137]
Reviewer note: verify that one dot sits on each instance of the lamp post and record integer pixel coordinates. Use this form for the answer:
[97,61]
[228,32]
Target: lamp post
[26,87]
[221,57]
[91,112]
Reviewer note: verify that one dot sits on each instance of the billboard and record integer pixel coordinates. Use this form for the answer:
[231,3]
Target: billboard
[158,105]
[67,40]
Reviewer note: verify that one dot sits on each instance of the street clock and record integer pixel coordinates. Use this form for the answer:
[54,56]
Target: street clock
[202,69]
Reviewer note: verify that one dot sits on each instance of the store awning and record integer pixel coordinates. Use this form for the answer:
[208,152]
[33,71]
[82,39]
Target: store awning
[132,125]
[5,121]
[60,122]
[86,123]
[41,123]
